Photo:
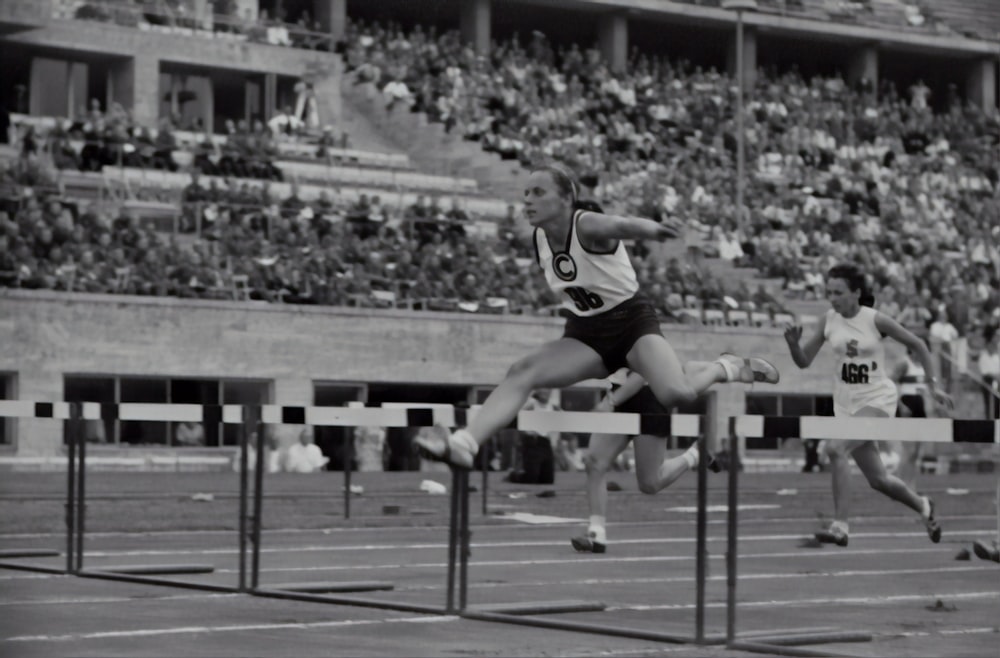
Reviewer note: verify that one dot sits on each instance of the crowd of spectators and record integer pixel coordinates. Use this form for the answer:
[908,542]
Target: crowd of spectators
[836,173]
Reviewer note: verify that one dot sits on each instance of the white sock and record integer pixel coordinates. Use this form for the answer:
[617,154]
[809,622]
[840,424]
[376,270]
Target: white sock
[597,529]
[842,525]
[731,369]
[925,511]
[691,457]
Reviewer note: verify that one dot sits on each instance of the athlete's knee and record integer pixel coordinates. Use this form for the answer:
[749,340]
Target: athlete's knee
[595,465]
[524,369]
[647,487]
[676,395]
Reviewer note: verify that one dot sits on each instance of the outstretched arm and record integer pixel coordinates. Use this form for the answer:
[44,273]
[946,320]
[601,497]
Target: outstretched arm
[597,227]
[907,338]
[803,355]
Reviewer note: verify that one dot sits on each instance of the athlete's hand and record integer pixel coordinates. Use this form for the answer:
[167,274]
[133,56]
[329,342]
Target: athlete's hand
[943,400]
[793,333]
[670,228]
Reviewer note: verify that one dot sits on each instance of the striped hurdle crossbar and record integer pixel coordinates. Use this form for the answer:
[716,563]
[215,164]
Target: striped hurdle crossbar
[389,415]
[929,430]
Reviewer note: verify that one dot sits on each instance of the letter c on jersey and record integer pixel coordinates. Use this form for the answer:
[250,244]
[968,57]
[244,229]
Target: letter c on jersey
[564,266]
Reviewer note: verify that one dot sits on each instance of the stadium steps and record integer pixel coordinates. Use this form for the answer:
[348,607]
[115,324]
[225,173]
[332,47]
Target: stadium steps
[429,146]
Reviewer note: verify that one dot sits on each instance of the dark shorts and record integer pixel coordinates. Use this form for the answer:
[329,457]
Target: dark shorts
[644,402]
[612,334]
[915,403]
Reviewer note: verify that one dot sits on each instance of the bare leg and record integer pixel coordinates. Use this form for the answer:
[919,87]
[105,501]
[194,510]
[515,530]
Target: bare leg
[654,359]
[654,472]
[841,477]
[867,458]
[601,453]
[555,365]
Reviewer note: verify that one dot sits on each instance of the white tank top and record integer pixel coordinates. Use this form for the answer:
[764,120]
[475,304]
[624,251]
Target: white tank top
[913,381]
[857,344]
[588,282]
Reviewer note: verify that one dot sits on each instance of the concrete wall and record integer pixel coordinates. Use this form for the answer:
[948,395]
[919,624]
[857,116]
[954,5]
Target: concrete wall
[46,335]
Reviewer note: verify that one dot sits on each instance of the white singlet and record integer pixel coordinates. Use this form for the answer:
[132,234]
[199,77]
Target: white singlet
[860,379]
[589,282]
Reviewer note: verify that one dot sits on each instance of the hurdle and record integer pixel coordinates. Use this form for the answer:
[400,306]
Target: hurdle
[73,509]
[931,430]
[529,614]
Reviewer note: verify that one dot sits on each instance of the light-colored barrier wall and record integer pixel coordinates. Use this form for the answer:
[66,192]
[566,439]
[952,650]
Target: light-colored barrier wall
[46,335]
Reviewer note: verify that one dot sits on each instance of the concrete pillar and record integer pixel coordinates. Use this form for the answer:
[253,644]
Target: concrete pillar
[613,38]
[476,24]
[332,17]
[981,84]
[135,83]
[864,66]
[270,95]
[749,56]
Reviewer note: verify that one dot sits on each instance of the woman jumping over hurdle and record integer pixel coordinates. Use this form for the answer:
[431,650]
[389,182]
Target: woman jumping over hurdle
[610,324]
[654,471]
[863,387]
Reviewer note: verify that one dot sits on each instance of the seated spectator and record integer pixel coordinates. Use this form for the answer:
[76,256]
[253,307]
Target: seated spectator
[164,146]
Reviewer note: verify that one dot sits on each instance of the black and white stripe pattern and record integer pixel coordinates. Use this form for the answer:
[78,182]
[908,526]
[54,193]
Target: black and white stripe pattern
[925,430]
[930,430]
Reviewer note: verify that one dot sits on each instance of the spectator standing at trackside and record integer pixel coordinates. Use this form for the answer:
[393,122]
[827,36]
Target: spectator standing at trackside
[536,451]
[305,456]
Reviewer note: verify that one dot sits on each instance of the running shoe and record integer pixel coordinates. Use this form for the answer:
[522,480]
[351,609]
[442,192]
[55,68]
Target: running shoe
[441,446]
[832,535]
[933,529]
[588,544]
[749,370]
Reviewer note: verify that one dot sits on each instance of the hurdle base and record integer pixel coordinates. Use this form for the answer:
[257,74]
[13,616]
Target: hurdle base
[541,607]
[28,552]
[595,629]
[780,650]
[805,638]
[323,588]
[38,568]
[347,600]
[151,580]
[159,569]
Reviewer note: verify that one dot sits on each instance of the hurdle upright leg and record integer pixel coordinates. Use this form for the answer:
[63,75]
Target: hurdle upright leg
[71,440]
[258,502]
[452,542]
[81,498]
[463,534]
[731,527]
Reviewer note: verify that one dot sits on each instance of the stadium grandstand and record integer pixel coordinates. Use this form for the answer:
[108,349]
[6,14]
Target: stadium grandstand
[175,164]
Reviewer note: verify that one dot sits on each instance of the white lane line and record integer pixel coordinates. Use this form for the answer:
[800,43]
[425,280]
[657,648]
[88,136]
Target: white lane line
[603,560]
[500,544]
[721,578]
[873,520]
[840,600]
[240,628]
[115,599]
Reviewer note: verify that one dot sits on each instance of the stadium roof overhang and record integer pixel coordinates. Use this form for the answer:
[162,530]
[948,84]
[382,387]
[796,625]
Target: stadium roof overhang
[787,26]
[19,15]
